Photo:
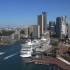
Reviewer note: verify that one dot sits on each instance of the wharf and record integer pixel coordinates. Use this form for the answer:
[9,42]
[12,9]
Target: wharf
[50,61]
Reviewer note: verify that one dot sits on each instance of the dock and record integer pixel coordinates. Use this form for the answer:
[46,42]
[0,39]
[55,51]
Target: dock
[50,61]
[29,61]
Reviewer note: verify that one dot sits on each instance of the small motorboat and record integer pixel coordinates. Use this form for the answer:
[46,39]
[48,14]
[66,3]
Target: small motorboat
[1,53]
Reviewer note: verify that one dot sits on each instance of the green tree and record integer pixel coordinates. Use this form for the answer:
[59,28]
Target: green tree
[55,43]
[6,33]
[69,48]
[22,32]
[69,42]
[54,55]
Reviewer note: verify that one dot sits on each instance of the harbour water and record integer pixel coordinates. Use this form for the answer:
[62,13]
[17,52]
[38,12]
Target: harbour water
[11,60]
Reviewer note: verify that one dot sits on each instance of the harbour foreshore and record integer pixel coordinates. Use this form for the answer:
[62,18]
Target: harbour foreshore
[51,61]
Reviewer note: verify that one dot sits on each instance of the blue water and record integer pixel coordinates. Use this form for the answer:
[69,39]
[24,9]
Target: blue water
[17,63]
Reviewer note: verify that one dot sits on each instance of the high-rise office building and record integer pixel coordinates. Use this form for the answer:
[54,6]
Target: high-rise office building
[69,31]
[52,27]
[42,22]
[35,30]
[61,26]
[58,22]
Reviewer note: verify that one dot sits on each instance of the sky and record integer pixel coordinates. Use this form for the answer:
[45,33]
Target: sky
[13,13]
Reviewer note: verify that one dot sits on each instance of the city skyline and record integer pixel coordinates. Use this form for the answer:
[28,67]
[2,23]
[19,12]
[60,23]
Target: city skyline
[17,12]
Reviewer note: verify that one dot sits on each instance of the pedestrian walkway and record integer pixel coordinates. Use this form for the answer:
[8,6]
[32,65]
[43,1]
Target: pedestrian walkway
[56,61]
[60,58]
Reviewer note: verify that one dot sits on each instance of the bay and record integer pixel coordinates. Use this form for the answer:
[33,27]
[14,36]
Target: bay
[15,62]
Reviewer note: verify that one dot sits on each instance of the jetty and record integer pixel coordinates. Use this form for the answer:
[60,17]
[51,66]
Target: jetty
[55,61]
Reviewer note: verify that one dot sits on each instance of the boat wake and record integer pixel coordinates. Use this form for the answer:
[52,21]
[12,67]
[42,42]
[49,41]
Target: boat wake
[11,56]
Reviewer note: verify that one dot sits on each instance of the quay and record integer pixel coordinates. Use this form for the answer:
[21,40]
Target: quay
[50,61]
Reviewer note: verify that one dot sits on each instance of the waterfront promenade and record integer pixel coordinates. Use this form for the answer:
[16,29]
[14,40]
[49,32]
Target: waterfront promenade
[51,61]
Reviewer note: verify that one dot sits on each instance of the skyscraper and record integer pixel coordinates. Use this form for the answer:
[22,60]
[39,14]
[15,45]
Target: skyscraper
[61,26]
[35,31]
[52,27]
[58,22]
[69,31]
[42,22]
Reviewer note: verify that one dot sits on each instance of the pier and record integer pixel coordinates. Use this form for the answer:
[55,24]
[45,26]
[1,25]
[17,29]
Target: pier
[50,61]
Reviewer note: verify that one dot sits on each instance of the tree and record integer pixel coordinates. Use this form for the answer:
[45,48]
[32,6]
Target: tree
[22,32]
[6,33]
[69,48]
[69,42]
[54,55]
[55,43]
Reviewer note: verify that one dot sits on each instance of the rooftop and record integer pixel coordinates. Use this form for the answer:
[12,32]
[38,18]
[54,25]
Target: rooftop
[62,47]
[44,48]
